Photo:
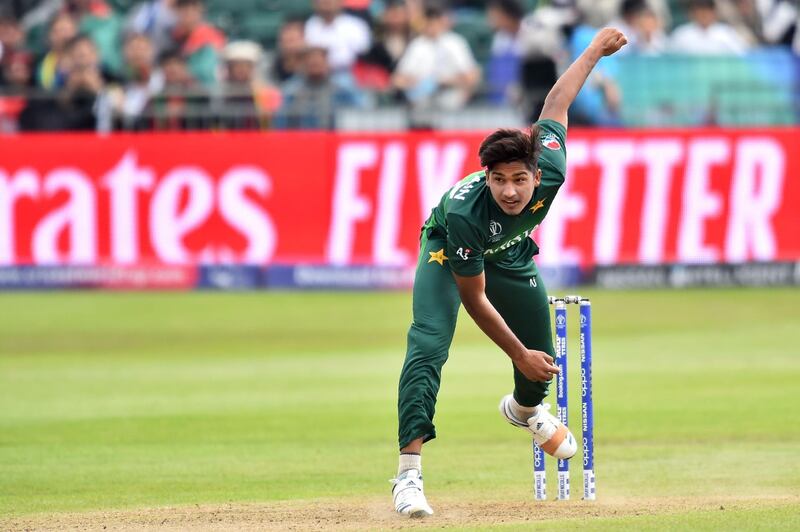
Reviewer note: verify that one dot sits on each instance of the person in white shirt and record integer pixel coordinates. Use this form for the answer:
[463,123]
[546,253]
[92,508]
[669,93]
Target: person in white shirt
[438,68]
[156,19]
[344,36]
[642,26]
[781,23]
[705,34]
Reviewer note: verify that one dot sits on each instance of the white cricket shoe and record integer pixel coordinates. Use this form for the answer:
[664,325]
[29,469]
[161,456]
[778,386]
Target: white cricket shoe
[548,431]
[409,499]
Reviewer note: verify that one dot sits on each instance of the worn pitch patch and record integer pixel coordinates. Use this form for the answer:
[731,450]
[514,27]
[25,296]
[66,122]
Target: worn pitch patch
[377,513]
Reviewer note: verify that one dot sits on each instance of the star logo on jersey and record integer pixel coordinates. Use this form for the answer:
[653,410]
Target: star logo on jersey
[550,141]
[437,256]
[538,205]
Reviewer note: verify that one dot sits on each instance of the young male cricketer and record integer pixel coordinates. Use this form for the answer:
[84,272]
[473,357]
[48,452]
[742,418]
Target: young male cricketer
[475,250]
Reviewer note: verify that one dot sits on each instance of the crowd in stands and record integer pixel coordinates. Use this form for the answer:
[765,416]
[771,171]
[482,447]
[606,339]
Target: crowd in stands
[167,64]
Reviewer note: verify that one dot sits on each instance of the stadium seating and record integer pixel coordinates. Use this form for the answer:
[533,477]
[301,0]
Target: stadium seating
[261,27]
[733,91]
[474,27]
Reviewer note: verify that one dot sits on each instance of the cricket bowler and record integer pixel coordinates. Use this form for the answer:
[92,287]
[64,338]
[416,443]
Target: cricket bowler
[475,250]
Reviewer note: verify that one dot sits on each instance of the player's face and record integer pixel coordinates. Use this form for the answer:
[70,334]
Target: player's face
[512,185]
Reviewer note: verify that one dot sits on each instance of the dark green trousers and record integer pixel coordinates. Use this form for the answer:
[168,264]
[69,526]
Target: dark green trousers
[518,294]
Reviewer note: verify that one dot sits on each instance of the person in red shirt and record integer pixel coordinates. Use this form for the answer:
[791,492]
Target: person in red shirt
[200,43]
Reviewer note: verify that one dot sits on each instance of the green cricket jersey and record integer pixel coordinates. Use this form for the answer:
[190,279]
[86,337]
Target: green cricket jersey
[475,227]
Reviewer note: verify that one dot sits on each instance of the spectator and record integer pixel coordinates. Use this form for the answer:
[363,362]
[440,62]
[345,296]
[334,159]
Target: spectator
[11,37]
[17,73]
[745,17]
[781,24]
[291,45]
[142,80]
[600,13]
[18,8]
[155,19]
[640,23]
[311,97]
[438,67]
[50,73]
[200,42]
[648,30]
[83,100]
[175,107]
[83,53]
[343,35]
[359,8]
[392,35]
[599,101]
[248,101]
[82,104]
[543,38]
[503,69]
[94,18]
[97,20]
[704,34]
[416,14]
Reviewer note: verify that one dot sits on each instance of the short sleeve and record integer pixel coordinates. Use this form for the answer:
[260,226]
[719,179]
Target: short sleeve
[553,164]
[553,159]
[461,54]
[409,59]
[360,36]
[464,246]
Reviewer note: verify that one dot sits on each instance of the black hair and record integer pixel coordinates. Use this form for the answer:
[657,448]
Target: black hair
[702,4]
[434,9]
[512,8]
[61,16]
[629,8]
[172,54]
[76,40]
[508,145]
[135,35]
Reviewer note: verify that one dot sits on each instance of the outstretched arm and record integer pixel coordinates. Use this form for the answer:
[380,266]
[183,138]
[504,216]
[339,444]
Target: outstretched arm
[563,93]
[535,365]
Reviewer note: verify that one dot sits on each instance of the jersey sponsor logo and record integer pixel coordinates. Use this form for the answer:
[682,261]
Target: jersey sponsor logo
[463,253]
[516,240]
[460,191]
[533,282]
[550,141]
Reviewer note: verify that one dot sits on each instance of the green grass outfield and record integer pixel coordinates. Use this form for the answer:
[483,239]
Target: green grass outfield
[115,401]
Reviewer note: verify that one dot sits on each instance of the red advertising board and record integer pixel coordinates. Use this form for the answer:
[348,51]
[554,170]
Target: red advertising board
[266,198]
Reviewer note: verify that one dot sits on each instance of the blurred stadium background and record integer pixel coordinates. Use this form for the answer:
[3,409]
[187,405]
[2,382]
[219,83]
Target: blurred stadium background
[286,152]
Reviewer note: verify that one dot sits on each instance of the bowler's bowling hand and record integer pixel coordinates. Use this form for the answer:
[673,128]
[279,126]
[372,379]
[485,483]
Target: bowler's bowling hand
[608,41]
[536,365]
